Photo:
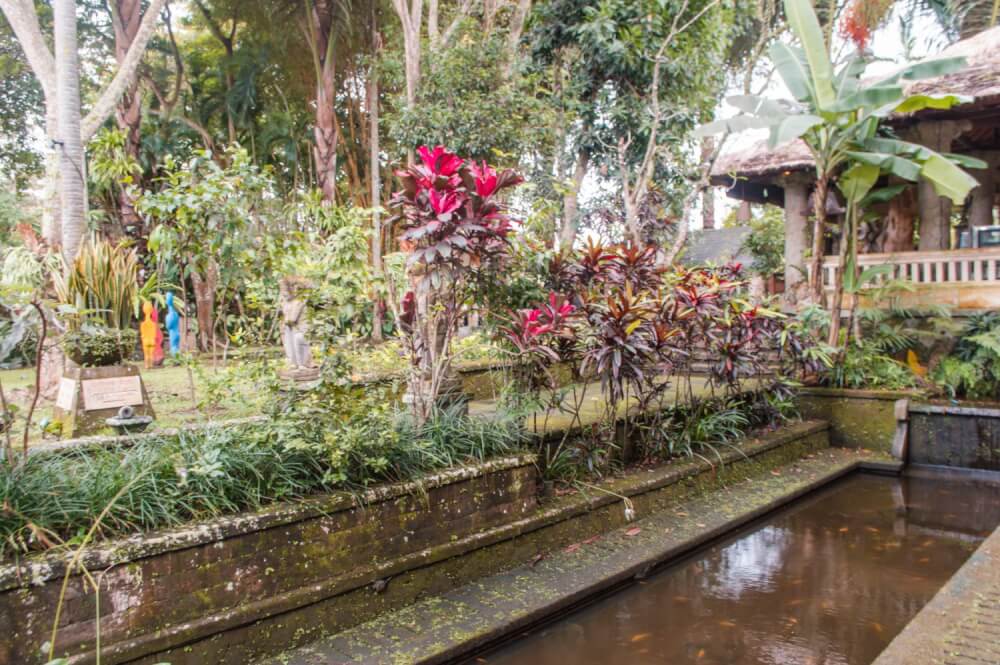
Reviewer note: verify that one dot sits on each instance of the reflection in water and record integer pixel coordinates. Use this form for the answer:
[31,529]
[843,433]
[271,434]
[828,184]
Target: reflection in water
[829,581]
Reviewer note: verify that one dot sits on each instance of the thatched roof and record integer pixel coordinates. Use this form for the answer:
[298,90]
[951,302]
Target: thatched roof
[979,80]
[758,161]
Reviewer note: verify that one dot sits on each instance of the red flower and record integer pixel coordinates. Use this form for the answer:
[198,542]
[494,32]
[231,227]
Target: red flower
[565,309]
[439,161]
[533,326]
[485,177]
[444,203]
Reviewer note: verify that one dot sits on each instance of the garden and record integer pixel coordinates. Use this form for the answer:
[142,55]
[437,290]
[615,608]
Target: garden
[403,282]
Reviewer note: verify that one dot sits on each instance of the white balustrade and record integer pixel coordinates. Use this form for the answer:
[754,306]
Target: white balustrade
[956,266]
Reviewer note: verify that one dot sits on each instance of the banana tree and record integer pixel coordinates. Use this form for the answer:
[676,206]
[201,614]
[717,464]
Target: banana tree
[840,119]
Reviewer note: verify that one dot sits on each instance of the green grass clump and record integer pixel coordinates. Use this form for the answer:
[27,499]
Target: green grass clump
[51,500]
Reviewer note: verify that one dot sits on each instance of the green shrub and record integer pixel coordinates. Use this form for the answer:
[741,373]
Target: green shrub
[328,439]
[97,346]
[868,367]
[973,369]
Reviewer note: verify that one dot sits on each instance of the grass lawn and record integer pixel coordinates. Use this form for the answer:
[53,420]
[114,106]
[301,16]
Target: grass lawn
[170,390]
[224,390]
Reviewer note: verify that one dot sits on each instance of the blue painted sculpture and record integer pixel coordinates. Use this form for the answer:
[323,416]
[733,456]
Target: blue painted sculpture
[173,325]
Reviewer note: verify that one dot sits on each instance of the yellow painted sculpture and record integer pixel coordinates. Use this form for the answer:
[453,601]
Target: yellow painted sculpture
[914,363]
[147,332]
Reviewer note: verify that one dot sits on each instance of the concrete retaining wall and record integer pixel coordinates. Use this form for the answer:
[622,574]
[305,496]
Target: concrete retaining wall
[858,418]
[959,436]
[165,589]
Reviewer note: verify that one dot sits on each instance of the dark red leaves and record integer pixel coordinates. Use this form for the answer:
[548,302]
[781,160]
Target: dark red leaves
[449,213]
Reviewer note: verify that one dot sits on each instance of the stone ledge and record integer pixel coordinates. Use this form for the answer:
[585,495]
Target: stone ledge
[961,623]
[341,602]
[450,626]
[855,393]
[38,569]
[939,409]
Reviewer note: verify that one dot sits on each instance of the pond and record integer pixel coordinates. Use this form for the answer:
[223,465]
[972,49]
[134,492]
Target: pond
[828,581]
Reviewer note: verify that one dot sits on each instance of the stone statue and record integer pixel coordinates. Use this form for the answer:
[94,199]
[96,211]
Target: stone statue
[147,333]
[294,324]
[173,325]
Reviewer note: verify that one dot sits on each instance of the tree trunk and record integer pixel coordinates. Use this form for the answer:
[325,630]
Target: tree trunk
[571,212]
[374,168]
[128,112]
[128,71]
[51,208]
[819,232]
[897,236]
[73,185]
[204,298]
[411,17]
[708,196]
[326,135]
[838,297]
[514,36]
[326,132]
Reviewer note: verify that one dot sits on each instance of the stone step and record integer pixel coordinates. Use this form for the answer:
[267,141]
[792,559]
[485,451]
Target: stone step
[446,626]
[961,624]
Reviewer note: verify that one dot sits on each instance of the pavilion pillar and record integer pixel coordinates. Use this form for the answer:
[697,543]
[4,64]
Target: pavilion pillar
[935,211]
[981,206]
[744,214]
[796,231]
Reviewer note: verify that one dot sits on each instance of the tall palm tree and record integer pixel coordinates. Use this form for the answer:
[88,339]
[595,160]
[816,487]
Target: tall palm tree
[72,189]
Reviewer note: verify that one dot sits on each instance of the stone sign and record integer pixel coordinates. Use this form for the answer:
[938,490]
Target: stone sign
[67,391]
[112,393]
[88,396]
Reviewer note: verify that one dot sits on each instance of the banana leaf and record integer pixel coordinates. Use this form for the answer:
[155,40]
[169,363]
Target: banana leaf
[803,22]
[898,166]
[948,179]
[792,127]
[793,69]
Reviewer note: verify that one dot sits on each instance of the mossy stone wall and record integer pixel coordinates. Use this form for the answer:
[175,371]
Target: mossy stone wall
[248,566]
[966,437]
[553,525]
[858,418]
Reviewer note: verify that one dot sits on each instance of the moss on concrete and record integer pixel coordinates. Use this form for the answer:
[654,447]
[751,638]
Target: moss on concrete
[858,419]
[455,562]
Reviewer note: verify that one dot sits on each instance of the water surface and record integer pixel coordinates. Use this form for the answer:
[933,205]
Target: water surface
[829,581]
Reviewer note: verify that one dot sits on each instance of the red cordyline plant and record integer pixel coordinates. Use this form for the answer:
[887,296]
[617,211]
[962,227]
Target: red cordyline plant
[630,324]
[451,216]
[453,226]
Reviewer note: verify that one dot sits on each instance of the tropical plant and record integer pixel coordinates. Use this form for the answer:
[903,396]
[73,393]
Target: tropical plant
[839,117]
[336,266]
[638,329]
[973,368]
[100,286]
[206,215]
[453,228]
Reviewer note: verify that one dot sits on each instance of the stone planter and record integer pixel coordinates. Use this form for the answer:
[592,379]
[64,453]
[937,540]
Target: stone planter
[334,554]
[89,395]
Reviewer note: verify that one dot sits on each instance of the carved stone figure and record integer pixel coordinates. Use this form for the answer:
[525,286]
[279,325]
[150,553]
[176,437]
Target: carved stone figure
[147,333]
[173,321]
[294,325]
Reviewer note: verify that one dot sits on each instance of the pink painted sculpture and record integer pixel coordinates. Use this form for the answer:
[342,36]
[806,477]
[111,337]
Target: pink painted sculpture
[158,353]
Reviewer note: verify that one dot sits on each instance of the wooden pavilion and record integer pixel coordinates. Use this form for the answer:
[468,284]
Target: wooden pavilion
[951,254]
